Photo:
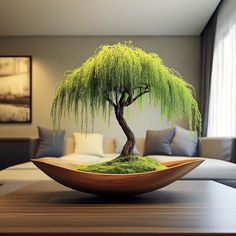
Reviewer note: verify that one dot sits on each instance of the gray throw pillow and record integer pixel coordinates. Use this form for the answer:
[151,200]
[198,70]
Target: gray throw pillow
[158,142]
[120,142]
[50,143]
[184,142]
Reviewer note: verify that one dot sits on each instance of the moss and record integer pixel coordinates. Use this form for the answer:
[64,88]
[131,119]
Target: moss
[124,165]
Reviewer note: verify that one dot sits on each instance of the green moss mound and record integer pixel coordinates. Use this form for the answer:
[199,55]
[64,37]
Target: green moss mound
[124,165]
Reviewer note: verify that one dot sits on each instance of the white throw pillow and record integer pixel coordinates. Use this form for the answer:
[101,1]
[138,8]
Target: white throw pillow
[88,143]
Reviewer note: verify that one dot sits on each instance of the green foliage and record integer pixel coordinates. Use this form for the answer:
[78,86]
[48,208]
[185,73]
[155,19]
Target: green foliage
[124,165]
[123,69]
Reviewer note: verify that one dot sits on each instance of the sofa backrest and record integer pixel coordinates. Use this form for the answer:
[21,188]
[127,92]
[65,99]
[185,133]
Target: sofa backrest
[222,148]
[108,145]
[218,148]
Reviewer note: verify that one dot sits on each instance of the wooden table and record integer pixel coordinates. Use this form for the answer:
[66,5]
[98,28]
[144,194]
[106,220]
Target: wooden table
[183,208]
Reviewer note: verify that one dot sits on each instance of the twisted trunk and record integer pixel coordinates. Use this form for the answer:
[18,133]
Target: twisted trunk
[130,143]
[125,97]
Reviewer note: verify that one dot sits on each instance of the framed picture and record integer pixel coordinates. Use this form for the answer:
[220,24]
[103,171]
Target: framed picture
[15,89]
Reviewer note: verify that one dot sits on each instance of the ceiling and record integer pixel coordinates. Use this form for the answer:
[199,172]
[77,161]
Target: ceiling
[104,17]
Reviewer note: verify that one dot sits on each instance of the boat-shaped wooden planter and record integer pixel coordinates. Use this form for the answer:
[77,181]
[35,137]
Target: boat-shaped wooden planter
[122,184]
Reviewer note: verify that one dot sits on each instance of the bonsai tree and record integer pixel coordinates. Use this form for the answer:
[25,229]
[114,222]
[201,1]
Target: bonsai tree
[116,77]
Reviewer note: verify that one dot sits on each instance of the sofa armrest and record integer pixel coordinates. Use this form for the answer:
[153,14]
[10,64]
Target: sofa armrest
[217,148]
[33,147]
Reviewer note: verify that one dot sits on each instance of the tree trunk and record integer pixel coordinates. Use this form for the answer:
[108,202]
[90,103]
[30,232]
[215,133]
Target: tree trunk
[129,145]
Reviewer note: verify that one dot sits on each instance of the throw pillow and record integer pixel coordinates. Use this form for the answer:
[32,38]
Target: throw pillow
[91,144]
[158,142]
[50,143]
[184,143]
[120,142]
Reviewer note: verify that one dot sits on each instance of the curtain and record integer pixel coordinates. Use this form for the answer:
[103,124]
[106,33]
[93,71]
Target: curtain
[207,49]
[222,106]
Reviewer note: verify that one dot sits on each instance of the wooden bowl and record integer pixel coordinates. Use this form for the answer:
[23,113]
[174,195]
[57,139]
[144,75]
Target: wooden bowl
[122,184]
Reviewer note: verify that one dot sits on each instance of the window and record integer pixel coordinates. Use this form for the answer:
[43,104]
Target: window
[222,109]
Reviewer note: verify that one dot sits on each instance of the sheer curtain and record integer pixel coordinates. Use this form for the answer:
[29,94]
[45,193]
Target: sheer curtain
[222,108]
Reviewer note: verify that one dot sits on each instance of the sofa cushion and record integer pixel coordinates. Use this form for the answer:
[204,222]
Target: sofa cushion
[213,169]
[50,143]
[91,144]
[210,169]
[184,142]
[158,142]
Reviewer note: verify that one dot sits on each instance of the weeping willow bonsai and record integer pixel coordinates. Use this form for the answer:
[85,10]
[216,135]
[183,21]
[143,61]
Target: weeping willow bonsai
[116,77]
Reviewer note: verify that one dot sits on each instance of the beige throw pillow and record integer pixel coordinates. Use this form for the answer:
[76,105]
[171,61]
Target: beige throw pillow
[91,144]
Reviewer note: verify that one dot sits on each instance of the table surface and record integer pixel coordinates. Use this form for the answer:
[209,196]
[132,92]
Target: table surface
[184,208]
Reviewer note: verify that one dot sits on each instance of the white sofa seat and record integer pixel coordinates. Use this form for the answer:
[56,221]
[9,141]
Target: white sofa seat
[213,169]
[210,169]
[22,172]
[28,171]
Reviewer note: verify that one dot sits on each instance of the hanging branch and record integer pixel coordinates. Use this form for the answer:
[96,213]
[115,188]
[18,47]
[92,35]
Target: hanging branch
[108,98]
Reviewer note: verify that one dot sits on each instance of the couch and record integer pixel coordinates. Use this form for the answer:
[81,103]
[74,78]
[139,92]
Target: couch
[218,153]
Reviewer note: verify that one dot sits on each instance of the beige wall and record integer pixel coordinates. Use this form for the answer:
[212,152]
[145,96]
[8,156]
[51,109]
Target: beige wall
[53,55]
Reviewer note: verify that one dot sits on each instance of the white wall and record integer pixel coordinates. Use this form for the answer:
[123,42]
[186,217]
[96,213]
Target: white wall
[53,55]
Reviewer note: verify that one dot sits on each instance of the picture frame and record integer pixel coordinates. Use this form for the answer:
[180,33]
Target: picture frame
[15,89]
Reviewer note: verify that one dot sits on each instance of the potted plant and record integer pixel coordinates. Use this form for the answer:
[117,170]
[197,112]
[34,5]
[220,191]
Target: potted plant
[114,78]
